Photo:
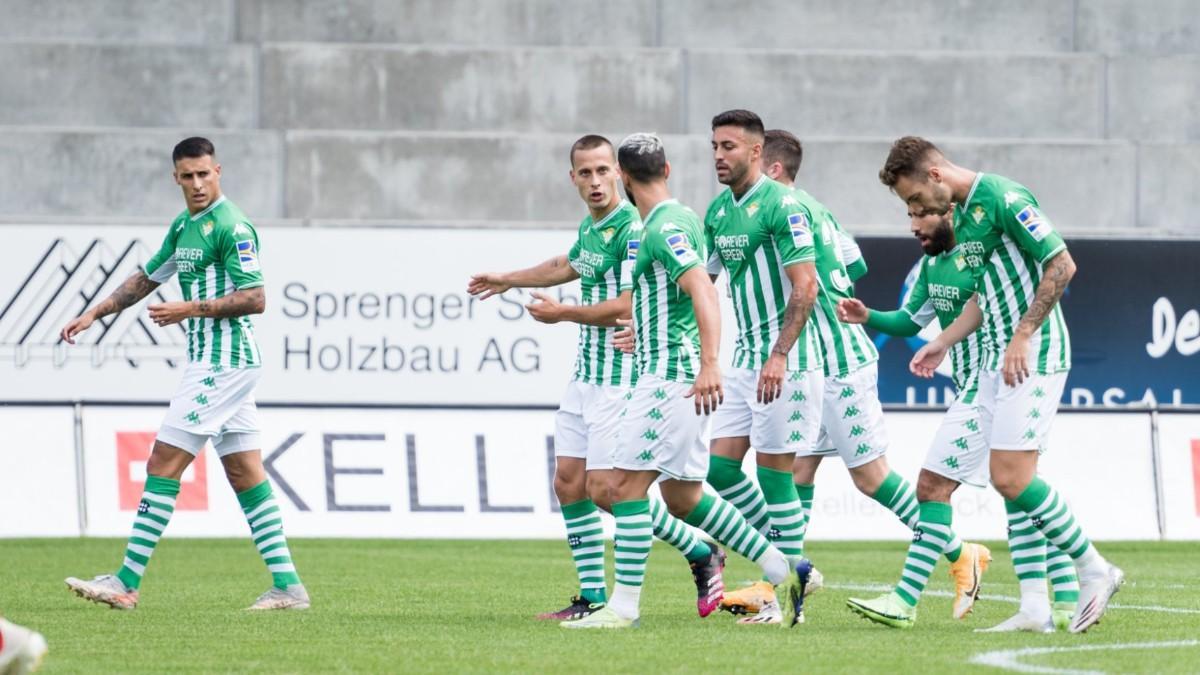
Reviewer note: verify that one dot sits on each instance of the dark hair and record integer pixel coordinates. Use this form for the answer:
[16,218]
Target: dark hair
[642,157]
[589,142]
[910,156]
[783,147]
[192,147]
[748,121]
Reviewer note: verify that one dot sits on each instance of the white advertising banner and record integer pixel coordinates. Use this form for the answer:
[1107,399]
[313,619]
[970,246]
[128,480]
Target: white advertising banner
[1179,448]
[38,492]
[353,315]
[488,474]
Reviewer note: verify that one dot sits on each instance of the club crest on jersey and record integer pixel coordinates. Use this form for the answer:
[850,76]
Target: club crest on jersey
[607,235]
[977,214]
[960,263]
[752,209]
[632,249]
[1033,222]
[248,255]
[206,228]
[681,247]
[801,230]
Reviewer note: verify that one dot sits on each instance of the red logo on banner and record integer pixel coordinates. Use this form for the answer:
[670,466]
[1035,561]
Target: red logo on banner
[1196,472]
[133,449]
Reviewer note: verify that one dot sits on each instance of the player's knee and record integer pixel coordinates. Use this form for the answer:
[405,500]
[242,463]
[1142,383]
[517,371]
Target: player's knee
[599,489]
[167,461]
[934,488]
[680,506]
[569,488]
[1009,486]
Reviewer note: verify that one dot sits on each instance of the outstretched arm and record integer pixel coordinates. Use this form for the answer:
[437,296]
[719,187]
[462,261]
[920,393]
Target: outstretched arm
[896,322]
[552,272]
[548,310]
[239,303]
[127,294]
[926,360]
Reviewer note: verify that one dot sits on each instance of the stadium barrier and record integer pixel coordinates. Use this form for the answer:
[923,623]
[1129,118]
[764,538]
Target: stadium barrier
[402,472]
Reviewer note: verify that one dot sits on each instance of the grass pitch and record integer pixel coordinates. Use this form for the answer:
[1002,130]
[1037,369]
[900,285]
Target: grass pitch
[448,606]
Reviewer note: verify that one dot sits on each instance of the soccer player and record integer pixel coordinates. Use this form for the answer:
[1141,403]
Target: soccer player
[677,327]
[851,418]
[214,249]
[21,649]
[586,422]
[1022,267]
[773,390]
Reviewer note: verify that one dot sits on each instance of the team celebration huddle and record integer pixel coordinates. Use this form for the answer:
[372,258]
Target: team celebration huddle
[648,387]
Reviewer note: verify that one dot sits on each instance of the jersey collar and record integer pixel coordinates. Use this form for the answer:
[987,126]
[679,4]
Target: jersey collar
[659,206]
[205,212]
[753,188]
[971,194]
[600,223]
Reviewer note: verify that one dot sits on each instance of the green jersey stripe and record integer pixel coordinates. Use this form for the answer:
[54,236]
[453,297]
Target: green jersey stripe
[598,255]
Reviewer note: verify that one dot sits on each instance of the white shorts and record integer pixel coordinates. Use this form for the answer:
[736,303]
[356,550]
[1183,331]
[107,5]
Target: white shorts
[216,404]
[784,426]
[660,431]
[852,418]
[960,448]
[587,421]
[1019,418]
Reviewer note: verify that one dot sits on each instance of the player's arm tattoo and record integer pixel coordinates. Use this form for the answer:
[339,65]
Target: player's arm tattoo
[1056,274]
[795,315]
[127,294]
[239,303]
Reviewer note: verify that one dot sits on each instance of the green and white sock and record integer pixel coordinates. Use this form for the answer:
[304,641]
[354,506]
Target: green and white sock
[266,529]
[786,512]
[585,536]
[930,537]
[724,523]
[897,495]
[1027,547]
[153,514]
[1063,580]
[727,478]
[1051,515]
[676,533]
[635,535]
[805,493]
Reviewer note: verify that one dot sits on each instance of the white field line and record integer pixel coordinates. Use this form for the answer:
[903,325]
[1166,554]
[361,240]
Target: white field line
[883,588]
[1010,659]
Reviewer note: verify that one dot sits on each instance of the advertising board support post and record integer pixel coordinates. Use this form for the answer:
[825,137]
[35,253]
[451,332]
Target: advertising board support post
[80,468]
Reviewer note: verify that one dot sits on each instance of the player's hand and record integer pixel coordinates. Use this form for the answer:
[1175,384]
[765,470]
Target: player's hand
[168,313]
[76,326]
[487,284]
[770,380]
[545,308]
[623,339]
[925,362]
[852,310]
[707,390]
[1016,360]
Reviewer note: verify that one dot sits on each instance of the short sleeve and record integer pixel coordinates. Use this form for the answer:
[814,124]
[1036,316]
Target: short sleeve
[239,254]
[674,249]
[629,259]
[574,252]
[161,266]
[1026,225]
[791,228]
[714,265]
[917,304]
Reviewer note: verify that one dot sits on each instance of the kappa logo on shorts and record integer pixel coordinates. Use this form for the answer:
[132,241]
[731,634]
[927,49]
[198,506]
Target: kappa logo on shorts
[650,435]
[193,417]
[1029,435]
[973,425]
[796,416]
[796,376]
[1038,392]
[846,392]
[795,437]
[857,430]
[655,414]
[951,462]
[143,507]
[862,449]
[961,444]
[209,382]
[646,456]
[201,399]
[660,394]
[852,411]
[1035,414]
[798,397]
[217,369]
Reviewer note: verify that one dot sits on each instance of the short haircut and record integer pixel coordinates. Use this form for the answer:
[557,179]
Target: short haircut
[746,120]
[192,147]
[642,157]
[910,156]
[588,142]
[783,147]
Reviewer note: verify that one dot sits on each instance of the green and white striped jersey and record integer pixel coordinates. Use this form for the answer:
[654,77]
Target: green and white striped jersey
[215,253]
[845,347]
[668,339]
[754,238]
[944,284]
[1006,239]
[597,256]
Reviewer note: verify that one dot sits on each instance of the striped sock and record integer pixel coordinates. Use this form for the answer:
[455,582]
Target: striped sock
[1026,545]
[585,536]
[153,514]
[1061,570]
[635,535]
[929,539]
[805,493]
[896,494]
[722,522]
[727,478]
[266,529]
[1050,514]
[675,532]
[786,512]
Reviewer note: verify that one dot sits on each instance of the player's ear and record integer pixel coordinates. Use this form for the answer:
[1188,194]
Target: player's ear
[217,170]
[935,173]
[666,170]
